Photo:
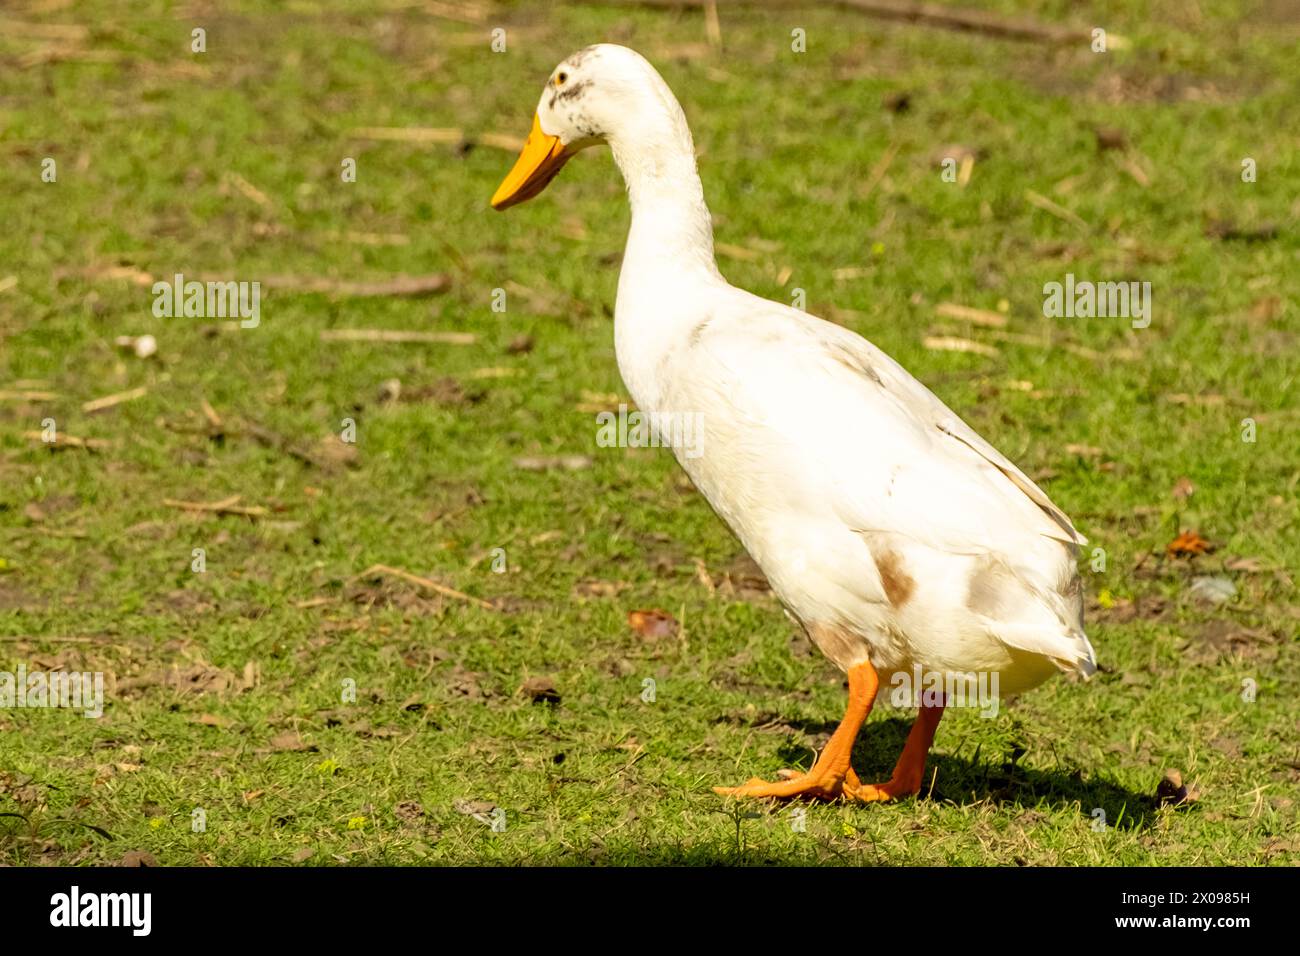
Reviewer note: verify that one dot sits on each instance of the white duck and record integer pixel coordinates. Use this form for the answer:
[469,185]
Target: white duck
[901,540]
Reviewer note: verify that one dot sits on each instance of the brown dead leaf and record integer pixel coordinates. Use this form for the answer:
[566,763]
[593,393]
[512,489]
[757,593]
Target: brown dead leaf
[540,690]
[446,391]
[654,624]
[1187,545]
[897,101]
[289,741]
[332,450]
[521,344]
[138,858]
[1150,607]
[1171,791]
[480,810]
[466,683]
[1110,137]
[1183,489]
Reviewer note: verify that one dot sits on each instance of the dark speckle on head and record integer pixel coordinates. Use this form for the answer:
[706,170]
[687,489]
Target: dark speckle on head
[562,94]
[572,90]
[582,55]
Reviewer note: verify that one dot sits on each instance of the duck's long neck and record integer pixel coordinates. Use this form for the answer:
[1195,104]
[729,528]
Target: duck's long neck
[671,228]
[669,255]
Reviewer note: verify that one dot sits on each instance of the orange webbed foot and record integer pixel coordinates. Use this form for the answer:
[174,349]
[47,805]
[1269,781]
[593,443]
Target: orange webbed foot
[826,779]
[813,785]
[910,770]
[882,792]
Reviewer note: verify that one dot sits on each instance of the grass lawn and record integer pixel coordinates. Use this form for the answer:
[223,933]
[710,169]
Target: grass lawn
[229,691]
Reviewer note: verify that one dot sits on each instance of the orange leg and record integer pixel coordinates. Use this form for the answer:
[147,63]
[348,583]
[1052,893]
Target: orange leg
[910,769]
[827,778]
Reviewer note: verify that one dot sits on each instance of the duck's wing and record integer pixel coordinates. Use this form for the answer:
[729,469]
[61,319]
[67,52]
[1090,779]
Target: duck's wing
[888,453]
[915,399]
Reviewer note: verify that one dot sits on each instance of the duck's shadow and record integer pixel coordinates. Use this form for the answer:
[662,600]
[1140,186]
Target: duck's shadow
[995,778]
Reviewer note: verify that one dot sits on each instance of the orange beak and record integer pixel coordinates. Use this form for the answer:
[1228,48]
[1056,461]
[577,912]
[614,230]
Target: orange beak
[541,159]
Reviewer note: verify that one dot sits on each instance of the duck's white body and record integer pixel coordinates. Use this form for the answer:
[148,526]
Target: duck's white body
[887,526]
[881,520]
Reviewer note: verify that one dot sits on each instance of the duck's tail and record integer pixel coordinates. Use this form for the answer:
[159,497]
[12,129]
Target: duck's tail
[1042,620]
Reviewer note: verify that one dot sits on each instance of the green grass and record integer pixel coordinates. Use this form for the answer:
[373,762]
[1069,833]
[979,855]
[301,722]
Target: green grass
[151,142]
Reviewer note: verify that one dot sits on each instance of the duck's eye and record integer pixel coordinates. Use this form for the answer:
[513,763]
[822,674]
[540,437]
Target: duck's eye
[560,78]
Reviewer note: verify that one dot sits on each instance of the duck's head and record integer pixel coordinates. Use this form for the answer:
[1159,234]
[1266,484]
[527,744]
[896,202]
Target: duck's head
[603,94]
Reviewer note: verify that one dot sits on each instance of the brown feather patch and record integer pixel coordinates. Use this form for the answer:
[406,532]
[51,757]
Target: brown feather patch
[899,585]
